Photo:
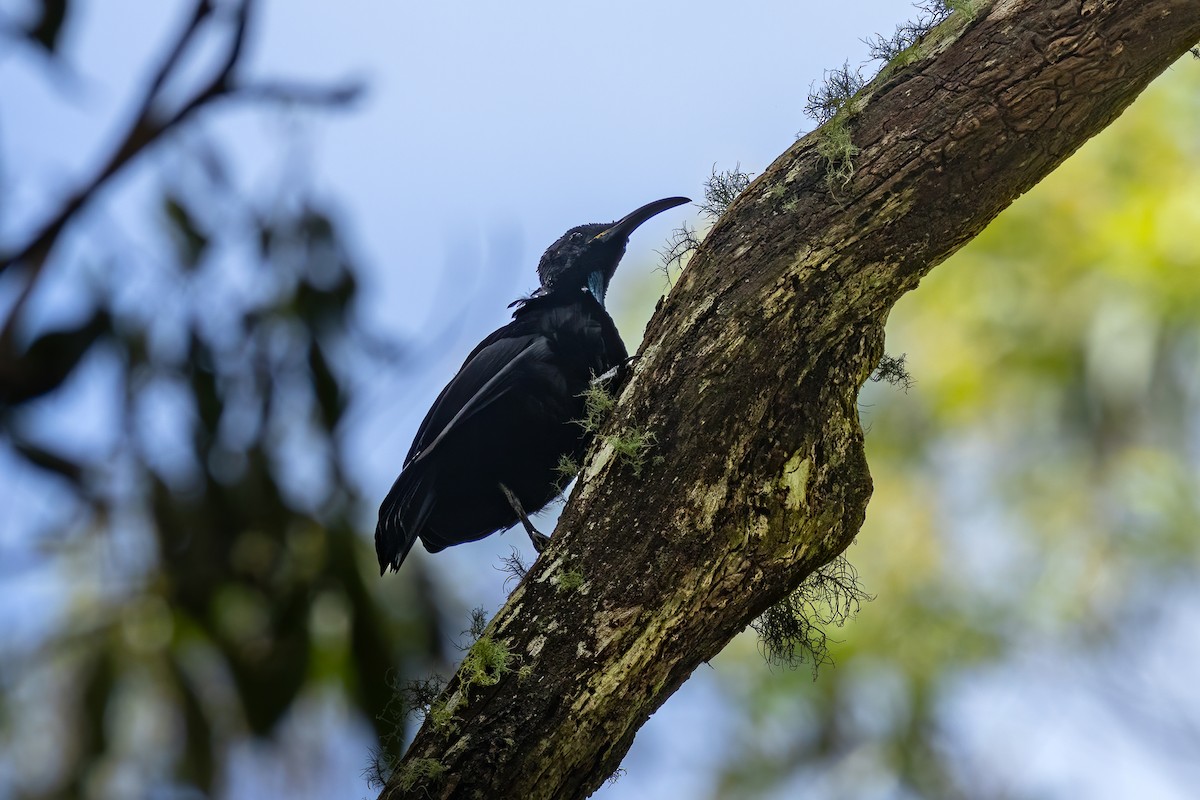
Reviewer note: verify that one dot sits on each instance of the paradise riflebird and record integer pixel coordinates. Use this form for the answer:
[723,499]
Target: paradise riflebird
[489,450]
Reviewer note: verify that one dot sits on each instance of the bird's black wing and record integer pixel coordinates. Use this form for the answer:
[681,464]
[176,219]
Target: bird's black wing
[486,377]
[489,357]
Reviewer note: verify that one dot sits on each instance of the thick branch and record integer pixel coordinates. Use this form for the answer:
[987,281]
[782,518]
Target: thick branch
[748,383]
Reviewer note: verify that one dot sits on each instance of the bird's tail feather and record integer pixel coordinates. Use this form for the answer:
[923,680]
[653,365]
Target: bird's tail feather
[402,515]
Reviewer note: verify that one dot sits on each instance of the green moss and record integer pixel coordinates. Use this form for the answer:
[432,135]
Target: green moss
[525,673]
[442,717]
[486,663]
[968,8]
[841,94]
[794,482]
[597,403]
[631,448]
[909,55]
[913,40]
[838,150]
[957,16]
[419,770]
[568,581]
[565,471]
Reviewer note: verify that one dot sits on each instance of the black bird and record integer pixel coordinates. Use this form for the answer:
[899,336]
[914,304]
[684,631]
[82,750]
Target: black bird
[487,451]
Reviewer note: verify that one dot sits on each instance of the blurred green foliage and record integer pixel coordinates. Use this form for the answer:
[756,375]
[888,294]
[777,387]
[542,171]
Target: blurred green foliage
[205,554]
[1036,488]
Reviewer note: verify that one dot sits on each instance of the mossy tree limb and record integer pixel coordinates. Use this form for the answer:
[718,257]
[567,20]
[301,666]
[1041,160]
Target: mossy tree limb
[748,380]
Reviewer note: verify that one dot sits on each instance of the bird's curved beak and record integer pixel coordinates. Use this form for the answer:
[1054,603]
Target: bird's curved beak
[620,230]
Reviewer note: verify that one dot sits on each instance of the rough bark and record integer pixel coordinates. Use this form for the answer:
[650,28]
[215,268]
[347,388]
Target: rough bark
[748,381]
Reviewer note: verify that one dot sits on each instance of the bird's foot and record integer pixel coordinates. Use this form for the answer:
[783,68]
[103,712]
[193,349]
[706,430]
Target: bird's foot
[617,374]
[539,539]
[605,377]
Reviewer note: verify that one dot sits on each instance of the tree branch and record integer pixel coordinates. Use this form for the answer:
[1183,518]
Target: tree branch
[144,130]
[149,125]
[748,380]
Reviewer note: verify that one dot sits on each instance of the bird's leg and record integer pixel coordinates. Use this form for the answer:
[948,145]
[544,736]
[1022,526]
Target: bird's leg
[603,378]
[539,539]
[616,375]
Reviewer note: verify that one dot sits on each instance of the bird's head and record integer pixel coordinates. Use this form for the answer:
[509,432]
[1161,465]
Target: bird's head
[586,256]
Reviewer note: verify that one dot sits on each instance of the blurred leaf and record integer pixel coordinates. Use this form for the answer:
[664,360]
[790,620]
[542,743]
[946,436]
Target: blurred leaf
[372,651]
[98,681]
[190,241]
[49,360]
[49,25]
[326,388]
[198,762]
[317,227]
[318,307]
[211,369]
[270,671]
[207,396]
[267,236]
[346,288]
[51,462]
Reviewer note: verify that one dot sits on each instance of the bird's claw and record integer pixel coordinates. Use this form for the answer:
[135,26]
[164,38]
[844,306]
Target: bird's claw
[616,374]
[540,540]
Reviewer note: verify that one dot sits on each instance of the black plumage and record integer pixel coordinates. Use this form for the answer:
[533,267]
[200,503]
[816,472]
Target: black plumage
[488,450]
